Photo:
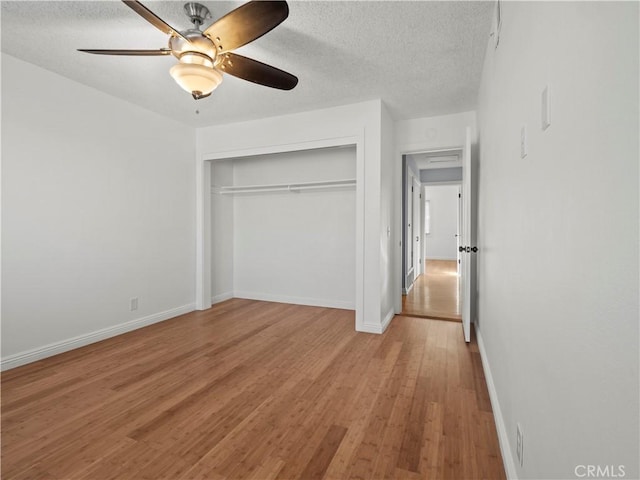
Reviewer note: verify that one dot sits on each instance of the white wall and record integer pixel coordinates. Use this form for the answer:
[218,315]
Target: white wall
[389,237]
[294,247]
[97,208]
[441,241]
[433,133]
[359,124]
[558,235]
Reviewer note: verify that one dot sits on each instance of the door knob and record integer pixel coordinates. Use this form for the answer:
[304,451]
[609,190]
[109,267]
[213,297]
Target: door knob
[461,248]
[474,249]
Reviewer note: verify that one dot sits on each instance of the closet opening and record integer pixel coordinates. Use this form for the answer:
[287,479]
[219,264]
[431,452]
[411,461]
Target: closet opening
[284,227]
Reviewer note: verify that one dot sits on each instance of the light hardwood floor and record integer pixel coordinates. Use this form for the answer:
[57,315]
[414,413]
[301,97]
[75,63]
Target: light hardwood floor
[435,293]
[255,390]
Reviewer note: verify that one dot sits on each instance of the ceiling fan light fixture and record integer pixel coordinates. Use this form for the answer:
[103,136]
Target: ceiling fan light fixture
[196,58]
[197,79]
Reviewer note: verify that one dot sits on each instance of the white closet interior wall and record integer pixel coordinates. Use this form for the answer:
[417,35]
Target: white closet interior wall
[287,246]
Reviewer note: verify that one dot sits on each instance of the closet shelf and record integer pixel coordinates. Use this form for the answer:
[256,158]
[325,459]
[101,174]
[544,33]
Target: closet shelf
[283,187]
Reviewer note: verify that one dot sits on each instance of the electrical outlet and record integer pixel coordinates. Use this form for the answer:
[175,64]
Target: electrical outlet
[133,304]
[519,444]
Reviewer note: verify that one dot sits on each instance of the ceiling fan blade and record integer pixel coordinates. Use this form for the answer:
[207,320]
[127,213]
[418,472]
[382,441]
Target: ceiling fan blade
[246,23]
[257,72]
[152,18]
[143,53]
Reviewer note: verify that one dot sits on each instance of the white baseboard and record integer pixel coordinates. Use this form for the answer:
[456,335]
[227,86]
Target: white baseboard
[377,328]
[33,355]
[369,328]
[312,302]
[443,258]
[503,439]
[221,297]
[387,319]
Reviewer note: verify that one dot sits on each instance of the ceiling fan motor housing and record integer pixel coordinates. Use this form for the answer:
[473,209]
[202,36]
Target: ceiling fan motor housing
[197,43]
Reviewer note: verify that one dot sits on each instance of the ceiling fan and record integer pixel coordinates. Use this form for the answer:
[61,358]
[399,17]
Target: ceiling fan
[205,55]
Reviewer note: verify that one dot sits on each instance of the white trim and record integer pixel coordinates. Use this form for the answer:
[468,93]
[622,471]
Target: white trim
[370,328]
[51,349]
[447,259]
[375,328]
[503,438]
[406,290]
[312,302]
[444,182]
[278,148]
[387,319]
[221,297]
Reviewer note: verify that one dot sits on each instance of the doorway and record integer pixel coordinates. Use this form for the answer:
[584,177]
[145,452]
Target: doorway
[431,273]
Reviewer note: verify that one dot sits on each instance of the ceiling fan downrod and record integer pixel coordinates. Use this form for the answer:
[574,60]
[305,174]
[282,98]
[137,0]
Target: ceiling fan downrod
[197,12]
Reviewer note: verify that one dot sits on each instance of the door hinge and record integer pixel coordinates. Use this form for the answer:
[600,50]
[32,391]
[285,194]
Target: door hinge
[459,196]
[412,189]
[420,195]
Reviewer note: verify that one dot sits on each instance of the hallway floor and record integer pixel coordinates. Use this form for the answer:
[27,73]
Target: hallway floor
[435,293]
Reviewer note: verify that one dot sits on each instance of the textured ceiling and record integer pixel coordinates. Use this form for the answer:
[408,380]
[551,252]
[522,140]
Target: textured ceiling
[420,58]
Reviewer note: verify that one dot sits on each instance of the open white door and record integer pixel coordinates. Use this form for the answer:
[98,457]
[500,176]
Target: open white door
[409,274]
[459,233]
[417,221]
[465,244]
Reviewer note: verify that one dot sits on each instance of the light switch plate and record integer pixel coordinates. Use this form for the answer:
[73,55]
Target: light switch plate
[546,108]
[519,444]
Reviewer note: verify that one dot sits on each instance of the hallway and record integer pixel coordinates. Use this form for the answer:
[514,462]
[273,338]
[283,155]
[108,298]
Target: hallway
[435,293]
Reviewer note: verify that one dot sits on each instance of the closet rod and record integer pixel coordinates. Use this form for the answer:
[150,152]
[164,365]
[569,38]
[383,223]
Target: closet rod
[283,187]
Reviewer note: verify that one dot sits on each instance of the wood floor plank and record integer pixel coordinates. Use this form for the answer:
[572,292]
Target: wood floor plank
[409,456]
[367,454]
[432,449]
[323,455]
[267,470]
[357,418]
[435,292]
[400,416]
[255,390]
[310,405]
